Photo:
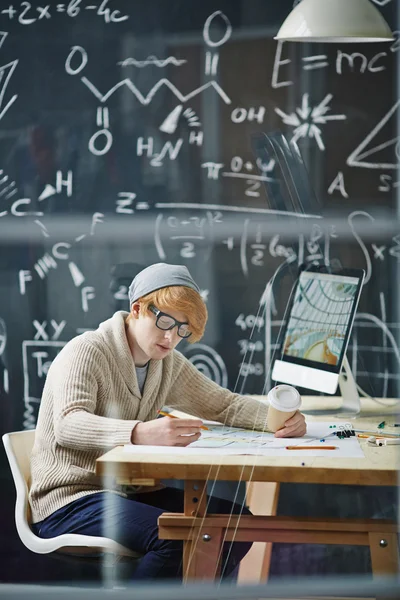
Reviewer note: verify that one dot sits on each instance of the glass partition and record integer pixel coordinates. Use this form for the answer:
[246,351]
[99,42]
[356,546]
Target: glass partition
[183,133]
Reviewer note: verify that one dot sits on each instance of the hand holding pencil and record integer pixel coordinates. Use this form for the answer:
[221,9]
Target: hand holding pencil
[167,432]
[165,414]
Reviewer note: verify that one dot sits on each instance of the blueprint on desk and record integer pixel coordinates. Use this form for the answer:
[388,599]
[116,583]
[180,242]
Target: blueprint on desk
[237,441]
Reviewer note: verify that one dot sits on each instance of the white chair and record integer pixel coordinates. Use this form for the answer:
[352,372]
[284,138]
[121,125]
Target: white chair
[18,446]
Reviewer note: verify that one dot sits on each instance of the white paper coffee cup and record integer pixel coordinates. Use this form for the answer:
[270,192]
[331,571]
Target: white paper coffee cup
[284,400]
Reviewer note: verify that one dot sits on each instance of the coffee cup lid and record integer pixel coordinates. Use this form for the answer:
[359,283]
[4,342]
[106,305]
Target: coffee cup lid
[285,398]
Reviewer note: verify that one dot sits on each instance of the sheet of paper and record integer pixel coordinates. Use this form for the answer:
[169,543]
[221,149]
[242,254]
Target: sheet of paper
[236,441]
[136,449]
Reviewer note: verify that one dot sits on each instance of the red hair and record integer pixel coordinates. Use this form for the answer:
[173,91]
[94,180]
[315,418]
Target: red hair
[182,299]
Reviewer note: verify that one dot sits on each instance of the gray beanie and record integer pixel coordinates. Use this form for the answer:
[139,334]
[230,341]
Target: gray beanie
[157,276]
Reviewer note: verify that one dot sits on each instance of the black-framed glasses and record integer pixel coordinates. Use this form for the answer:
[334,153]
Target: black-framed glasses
[166,322]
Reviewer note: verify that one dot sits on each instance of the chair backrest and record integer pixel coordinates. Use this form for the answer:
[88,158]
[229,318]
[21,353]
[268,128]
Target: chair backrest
[18,446]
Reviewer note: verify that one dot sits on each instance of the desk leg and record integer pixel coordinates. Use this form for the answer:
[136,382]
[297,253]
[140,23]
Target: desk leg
[262,499]
[384,553]
[201,554]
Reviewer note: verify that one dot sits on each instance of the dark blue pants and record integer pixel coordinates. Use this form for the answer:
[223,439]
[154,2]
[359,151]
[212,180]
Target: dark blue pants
[132,522]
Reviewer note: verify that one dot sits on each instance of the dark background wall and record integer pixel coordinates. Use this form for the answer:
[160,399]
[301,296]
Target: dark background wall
[113,158]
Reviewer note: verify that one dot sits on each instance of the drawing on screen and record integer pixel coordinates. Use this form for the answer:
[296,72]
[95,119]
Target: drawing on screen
[319,319]
[358,156]
[208,362]
[306,119]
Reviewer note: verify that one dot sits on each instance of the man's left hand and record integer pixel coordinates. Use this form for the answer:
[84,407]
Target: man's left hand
[294,427]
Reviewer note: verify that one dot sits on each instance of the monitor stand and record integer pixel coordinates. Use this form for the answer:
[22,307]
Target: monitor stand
[351,406]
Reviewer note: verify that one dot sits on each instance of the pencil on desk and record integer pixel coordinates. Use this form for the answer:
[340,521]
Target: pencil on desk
[377,434]
[165,414]
[377,437]
[311,447]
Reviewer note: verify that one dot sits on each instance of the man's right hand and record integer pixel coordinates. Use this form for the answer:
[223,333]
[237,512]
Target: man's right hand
[167,432]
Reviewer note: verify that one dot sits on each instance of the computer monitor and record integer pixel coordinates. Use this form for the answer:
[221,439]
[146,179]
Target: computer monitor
[318,324]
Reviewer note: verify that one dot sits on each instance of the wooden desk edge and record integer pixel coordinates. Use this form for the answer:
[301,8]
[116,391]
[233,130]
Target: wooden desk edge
[107,466]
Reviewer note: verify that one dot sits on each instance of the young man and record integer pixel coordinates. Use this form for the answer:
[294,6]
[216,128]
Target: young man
[105,388]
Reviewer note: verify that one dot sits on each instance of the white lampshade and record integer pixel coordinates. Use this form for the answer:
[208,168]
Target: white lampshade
[335,21]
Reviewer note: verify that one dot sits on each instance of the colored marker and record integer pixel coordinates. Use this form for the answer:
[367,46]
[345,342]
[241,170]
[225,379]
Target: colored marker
[311,447]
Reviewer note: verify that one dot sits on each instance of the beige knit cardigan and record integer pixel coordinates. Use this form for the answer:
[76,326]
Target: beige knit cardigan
[91,402]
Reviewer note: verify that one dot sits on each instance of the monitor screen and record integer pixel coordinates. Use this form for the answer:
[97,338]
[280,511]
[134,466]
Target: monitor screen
[318,326]
[320,316]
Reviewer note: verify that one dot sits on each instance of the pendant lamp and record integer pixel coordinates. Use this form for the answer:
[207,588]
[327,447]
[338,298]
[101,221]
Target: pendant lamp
[335,21]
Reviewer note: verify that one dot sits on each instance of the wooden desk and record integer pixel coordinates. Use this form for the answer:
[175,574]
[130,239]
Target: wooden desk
[203,534]
[262,498]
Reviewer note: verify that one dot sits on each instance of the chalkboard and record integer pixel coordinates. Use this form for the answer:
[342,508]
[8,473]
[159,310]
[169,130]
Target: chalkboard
[129,136]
